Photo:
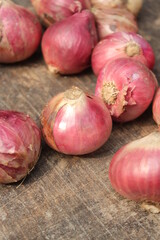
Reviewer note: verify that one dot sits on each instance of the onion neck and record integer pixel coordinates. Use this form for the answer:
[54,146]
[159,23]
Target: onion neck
[109,93]
[74,95]
[132,49]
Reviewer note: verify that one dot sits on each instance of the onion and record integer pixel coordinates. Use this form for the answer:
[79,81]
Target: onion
[127,87]
[20,32]
[76,123]
[156,107]
[67,45]
[20,141]
[122,45]
[114,20]
[134,171]
[51,11]
[133,6]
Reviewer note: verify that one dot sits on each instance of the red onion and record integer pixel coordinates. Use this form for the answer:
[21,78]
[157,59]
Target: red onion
[20,32]
[134,171]
[67,45]
[133,6]
[156,107]
[76,123]
[20,141]
[114,20]
[51,11]
[122,45]
[127,87]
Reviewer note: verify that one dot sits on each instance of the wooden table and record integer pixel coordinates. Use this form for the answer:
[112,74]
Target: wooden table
[71,197]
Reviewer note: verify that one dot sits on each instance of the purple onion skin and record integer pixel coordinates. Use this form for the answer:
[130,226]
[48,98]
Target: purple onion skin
[134,171]
[67,45]
[51,11]
[20,145]
[20,32]
[75,123]
[127,87]
[122,45]
[156,107]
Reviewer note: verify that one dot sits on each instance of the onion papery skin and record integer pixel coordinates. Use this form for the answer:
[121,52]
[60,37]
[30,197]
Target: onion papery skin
[122,45]
[127,87]
[76,123]
[156,107]
[133,6]
[134,171]
[67,45]
[114,20]
[20,145]
[51,11]
[20,32]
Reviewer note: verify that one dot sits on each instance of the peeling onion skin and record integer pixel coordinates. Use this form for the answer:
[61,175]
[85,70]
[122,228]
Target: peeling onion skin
[20,145]
[51,11]
[133,6]
[114,20]
[134,171]
[156,107]
[127,87]
[67,45]
[20,33]
[122,45]
[76,123]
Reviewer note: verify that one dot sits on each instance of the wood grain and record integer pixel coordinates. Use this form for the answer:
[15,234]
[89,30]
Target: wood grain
[68,197]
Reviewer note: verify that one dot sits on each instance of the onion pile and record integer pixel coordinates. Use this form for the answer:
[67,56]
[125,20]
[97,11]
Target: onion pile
[76,123]
[20,32]
[122,45]
[20,145]
[126,85]
[51,11]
